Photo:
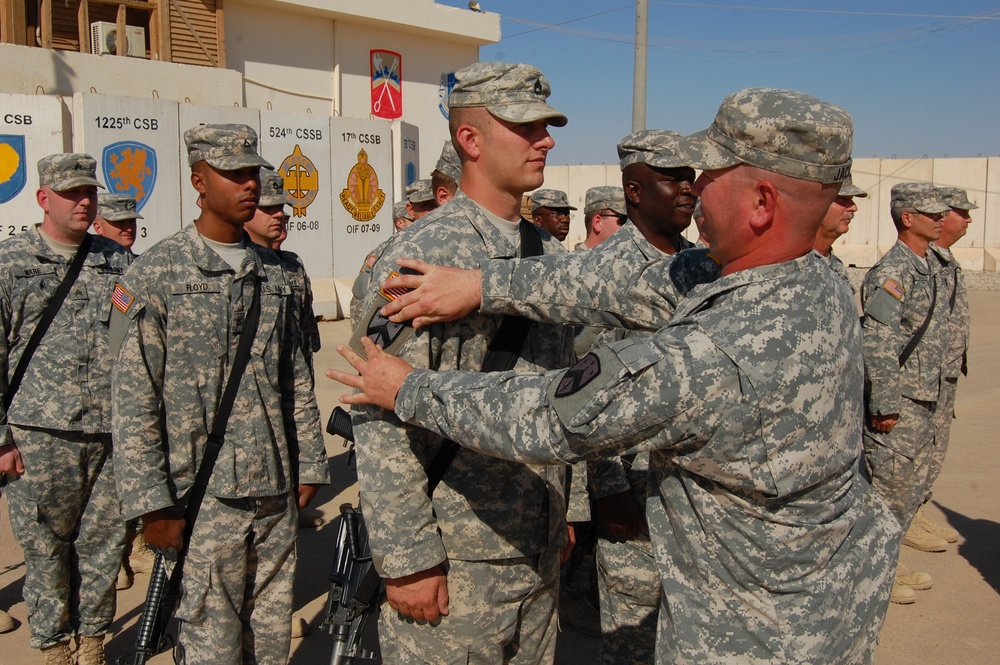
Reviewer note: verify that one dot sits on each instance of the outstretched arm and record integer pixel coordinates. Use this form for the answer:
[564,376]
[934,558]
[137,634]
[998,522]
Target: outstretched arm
[438,293]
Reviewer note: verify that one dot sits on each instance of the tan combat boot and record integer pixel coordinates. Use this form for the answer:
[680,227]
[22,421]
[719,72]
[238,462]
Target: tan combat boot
[7,622]
[58,654]
[914,579]
[125,577]
[946,532]
[919,538]
[141,559]
[90,650]
[902,594]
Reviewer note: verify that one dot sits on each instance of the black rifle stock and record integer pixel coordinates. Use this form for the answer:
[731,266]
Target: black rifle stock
[152,637]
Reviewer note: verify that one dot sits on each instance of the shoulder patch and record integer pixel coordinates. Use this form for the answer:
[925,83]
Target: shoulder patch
[370,261]
[894,289]
[579,375]
[121,298]
[392,294]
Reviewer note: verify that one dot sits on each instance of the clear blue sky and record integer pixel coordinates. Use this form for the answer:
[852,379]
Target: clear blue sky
[919,77]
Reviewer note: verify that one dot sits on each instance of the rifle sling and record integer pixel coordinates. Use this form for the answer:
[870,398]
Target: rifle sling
[218,434]
[917,336]
[51,309]
[501,355]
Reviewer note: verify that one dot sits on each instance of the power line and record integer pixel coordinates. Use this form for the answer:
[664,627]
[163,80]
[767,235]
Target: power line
[975,17]
[547,26]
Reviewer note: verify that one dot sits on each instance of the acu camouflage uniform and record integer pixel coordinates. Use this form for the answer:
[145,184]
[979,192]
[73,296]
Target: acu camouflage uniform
[64,511]
[497,527]
[178,322]
[896,297]
[769,545]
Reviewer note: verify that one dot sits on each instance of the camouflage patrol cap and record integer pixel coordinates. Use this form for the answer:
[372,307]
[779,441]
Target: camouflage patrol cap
[549,198]
[509,91]
[783,131]
[419,191]
[605,197]
[272,189]
[697,214]
[117,207]
[66,170]
[448,163]
[956,197]
[848,188]
[920,196]
[399,211]
[225,147]
[656,147]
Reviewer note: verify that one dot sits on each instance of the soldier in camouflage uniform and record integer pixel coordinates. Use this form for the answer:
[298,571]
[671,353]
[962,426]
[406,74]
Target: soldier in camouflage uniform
[550,210]
[770,545]
[265,229]
[603,214]
[954,226]
[835,224]
[484,551]
[903,301]
[446,173]
[116,218]
[56,448]
[177,320]
[420,198]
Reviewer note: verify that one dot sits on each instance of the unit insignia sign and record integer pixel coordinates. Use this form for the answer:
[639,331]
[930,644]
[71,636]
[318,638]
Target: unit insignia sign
[387,87]
[362,197]
[448,82]
[301,180]
[13,173]
[130,168]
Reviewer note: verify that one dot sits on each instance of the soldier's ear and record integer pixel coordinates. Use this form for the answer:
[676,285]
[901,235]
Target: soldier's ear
[633,192]
[42,197]
[198,181]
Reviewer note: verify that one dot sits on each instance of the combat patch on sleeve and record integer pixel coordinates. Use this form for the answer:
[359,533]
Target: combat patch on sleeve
[894,289]
[390,336]
[121,298]
[883,306]
[579,375]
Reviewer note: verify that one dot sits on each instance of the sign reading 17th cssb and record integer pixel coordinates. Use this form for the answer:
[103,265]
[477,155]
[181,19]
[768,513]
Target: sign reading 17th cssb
[362,197]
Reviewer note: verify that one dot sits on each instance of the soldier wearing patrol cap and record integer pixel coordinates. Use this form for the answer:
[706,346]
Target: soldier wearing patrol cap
[472,571]
[116,218]
[604,213]
[835,224]
[401,216]
[176,321]
[770,545]
[905,328]
[56,449]
[444,177]
[550,210]
[420,198]
[951,285]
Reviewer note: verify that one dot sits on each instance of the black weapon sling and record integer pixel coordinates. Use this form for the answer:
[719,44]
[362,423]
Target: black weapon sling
[51,309]
[917,336]
[501,355]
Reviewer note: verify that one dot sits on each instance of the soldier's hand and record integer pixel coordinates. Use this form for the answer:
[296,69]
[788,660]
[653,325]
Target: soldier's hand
[885,423]
[164,529]
[439,294]
[620,517]
[379,377]
[570,544]
[421,596]
[305,495]
[10,460]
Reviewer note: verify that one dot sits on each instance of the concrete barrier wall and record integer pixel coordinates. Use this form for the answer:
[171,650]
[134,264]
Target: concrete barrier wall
[872,232]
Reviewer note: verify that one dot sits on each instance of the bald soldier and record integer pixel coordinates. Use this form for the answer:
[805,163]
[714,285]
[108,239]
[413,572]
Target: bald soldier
[771,547]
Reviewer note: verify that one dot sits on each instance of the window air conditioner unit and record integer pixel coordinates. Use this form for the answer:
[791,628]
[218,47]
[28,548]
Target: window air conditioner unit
[104,36]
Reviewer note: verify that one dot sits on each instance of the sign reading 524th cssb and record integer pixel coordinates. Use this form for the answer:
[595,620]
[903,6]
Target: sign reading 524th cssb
[31,127]
[134,141]
[362,184]
[298,146]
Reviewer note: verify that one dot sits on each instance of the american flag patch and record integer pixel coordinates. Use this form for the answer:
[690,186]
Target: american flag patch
[392,294]
[370,261]
[122,299]
[894,289]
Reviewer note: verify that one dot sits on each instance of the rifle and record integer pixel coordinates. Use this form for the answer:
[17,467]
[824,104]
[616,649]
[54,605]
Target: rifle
[152,637]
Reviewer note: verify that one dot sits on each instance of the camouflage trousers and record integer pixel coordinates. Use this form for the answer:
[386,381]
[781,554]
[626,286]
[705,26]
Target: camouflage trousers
[65,514]
[501,611]
[236,594]
[945,413]
[899,463]
[630,601]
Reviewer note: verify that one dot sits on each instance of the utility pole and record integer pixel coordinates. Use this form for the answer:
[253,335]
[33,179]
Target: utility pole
[639,70]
